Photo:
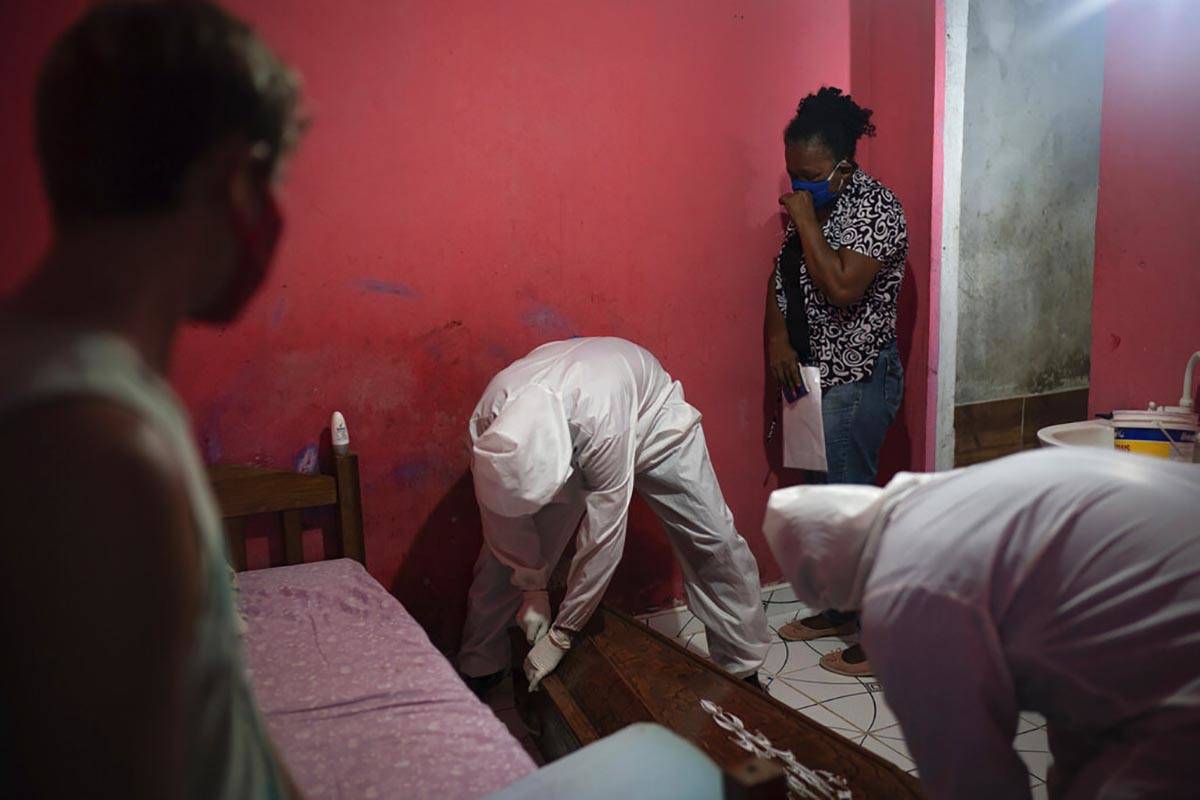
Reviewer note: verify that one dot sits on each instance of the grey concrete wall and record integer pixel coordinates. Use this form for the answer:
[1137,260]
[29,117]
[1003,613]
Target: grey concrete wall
[1031,146]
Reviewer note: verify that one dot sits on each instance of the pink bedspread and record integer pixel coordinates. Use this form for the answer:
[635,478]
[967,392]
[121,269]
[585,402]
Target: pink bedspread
[357,699]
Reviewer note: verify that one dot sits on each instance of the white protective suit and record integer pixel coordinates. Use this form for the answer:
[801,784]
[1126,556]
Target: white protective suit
[566,434]
[1065,582]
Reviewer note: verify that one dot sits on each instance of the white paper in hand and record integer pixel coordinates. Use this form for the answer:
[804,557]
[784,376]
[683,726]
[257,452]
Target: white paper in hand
[803,428]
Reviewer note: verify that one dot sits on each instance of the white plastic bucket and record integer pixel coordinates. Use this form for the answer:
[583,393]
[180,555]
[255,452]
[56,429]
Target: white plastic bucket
[1161,434]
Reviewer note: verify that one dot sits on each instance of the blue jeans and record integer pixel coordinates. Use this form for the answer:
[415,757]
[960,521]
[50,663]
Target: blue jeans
[857,416]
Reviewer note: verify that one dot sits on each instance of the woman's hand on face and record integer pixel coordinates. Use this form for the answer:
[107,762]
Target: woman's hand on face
[799,205]
[785,364]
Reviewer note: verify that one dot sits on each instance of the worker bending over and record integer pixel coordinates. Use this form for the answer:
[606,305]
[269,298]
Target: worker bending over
[1061,582]
[560,441]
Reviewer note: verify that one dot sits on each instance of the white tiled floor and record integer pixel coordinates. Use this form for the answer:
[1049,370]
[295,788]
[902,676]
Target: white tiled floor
[852,707]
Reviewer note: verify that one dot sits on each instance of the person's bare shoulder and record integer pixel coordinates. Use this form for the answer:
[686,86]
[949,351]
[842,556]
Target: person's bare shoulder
[88,476]
[98,591]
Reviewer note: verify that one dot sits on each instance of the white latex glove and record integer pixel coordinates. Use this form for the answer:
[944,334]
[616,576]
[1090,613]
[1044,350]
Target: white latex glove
[534,615]
[544,657]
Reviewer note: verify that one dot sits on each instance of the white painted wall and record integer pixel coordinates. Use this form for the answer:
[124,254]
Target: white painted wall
[952,149]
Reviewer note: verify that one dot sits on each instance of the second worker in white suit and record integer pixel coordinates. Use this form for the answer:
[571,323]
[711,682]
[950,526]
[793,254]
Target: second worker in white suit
[560,441]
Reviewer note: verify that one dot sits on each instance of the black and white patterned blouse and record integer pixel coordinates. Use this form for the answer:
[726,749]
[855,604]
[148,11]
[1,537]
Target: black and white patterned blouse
[845,342]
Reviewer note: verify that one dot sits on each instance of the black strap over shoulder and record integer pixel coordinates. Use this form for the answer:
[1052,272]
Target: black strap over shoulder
[791,264]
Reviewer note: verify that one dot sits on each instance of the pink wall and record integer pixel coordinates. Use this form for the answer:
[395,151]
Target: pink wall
[893,71]
[1146,294]
[481,178]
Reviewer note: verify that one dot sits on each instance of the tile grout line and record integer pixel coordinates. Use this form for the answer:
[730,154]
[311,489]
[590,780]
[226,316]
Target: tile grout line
[852,732]
[883,742]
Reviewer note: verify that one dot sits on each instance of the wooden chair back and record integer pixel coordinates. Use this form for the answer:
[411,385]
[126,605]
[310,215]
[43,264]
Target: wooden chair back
[247,491]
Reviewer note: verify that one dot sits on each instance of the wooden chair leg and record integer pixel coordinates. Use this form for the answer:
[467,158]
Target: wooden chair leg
[350,512]
[293,545]
[235,528]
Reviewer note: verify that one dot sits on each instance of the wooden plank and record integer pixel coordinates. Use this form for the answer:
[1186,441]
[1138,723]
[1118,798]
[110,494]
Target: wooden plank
[552,734]
[756,779]
[235,530]
[609,710]
[350,511]
[584,732]
[558,726]
[293,546]
[983,431]
[243,491]
[667,684]
[1052,409]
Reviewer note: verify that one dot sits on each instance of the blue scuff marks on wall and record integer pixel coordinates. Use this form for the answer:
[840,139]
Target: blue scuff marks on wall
[212,447]
[432,340]
[210,432]
[411,472]
[498,351]
[549,320]
[278,313]
[376,286]
[305,461]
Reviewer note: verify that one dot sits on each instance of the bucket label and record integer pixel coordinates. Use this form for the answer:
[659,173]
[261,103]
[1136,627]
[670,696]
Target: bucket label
[1169,443]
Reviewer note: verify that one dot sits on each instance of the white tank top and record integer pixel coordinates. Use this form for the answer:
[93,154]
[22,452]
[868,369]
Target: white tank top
[227,753]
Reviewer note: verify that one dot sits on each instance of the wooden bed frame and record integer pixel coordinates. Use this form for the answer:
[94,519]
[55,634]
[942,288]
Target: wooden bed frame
[246,491]
[249,491]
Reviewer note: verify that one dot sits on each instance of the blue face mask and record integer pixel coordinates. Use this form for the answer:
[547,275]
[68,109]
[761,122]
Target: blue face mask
[822,195]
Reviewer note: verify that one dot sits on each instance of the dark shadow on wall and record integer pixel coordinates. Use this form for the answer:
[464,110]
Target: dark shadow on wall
[893,71]
[772,430]
[897,452]
[437,568]
[648,576]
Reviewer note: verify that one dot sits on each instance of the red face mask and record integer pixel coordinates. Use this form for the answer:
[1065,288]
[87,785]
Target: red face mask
[256,245]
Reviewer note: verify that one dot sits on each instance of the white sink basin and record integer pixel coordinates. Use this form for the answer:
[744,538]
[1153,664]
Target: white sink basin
[1089,433]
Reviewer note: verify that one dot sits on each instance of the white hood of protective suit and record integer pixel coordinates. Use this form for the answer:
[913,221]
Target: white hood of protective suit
[825,537]
[524,457]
